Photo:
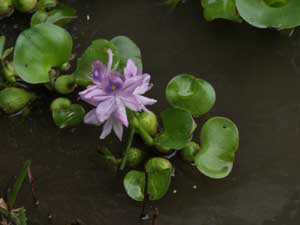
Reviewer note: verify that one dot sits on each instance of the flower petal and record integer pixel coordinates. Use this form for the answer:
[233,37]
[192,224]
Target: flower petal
[120,113]
[91,118]
[118,128]
[130,70]
[98,71]
[105,109]
[132,103]
[107,128]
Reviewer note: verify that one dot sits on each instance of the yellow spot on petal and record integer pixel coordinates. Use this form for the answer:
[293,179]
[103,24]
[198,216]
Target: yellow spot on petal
[113,87]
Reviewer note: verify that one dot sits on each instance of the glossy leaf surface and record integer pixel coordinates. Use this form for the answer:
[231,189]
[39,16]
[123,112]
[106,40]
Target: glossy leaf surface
[219,143]
[190,93]
[177,126]
[39,49]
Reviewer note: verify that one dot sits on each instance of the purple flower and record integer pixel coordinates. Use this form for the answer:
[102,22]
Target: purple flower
[111,93]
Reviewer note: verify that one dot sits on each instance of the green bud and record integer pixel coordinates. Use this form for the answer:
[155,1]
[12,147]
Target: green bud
[60,103]
[158,164]
[64,116]
[6,7]
[12,99]
[189,152]
[9,72]
[135,157]
[65,84]
[149,122]
[25,6]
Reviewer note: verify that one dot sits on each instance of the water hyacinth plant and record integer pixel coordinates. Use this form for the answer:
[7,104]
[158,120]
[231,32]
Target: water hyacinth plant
[109,77]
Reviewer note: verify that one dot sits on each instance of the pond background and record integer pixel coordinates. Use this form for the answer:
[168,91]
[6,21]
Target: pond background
[256,74]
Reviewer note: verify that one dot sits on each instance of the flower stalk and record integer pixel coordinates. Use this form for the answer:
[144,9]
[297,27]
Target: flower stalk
[128,146]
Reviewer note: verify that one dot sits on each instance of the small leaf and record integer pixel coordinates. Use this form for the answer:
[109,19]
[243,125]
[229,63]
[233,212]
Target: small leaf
[220,140]
[127,50]
[12,194]
[39,49]
[96,51]
[68,117]
[158,183]
[177,125]
[220,9]
[134,184]
[2,44]
[258,13]
[60,16]
[191,94]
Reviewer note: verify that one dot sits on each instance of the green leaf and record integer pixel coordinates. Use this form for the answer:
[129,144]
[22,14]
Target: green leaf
[177,126]
[127,50]
[259,14]
[134,184]
[60,16]
[96,51]
[158,171]
[220,140]
[220,9]
[191,94]
[2,44]
[158,183]
[12,194]
[68,117]
[39,49]
[22,217]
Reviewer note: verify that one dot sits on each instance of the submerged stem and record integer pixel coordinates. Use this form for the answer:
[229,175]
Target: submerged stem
[129,143]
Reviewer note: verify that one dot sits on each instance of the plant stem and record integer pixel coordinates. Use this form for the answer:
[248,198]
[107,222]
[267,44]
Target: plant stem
[129,143]
[145,136]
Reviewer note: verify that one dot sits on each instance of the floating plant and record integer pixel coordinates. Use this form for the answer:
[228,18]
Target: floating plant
[110,80]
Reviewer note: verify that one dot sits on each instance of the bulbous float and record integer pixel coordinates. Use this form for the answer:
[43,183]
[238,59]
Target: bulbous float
[65,84]
[189,152]
[13,100]
[158,164]
[6,7]
[25,6]
[135,157]
[148,121]
[60,103]
[65,114]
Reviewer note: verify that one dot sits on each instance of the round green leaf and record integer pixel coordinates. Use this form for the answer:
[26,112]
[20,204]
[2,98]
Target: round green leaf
[40,48]
[220,140]
[158,183]
[96,51]
[134,184]
[259,14]
[220,9]
[192,94]
[177,124]
[127,50]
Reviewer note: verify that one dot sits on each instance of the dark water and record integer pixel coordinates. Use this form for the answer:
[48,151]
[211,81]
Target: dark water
[256,74]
